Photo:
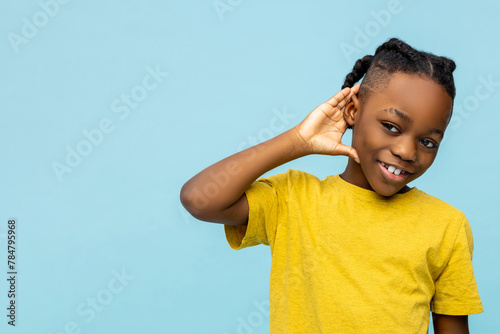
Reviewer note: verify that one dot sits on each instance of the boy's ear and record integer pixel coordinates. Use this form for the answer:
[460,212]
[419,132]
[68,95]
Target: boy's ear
[351,110]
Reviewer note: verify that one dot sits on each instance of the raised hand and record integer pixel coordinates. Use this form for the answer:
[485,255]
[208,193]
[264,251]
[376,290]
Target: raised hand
[322,130]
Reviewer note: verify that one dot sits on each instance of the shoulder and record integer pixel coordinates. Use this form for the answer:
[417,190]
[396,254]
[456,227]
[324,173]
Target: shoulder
[436,206]
[292,177]
[298,179]
[439,221]
[295,174]
[291,181]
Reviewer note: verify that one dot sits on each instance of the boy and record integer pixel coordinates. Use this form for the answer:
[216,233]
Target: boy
[358,252]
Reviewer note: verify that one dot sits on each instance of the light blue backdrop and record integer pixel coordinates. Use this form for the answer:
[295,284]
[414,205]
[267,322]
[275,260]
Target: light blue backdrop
[108,107]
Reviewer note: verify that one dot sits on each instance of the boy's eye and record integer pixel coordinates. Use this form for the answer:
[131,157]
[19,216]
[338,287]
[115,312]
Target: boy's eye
[390,127]
[428,143]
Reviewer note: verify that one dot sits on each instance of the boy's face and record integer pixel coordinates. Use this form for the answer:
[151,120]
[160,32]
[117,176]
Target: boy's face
[398,128]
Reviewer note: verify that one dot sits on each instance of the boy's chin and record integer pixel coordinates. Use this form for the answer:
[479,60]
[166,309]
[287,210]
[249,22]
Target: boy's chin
[389,191]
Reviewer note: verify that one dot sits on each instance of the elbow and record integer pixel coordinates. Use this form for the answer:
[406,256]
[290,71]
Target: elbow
[195,203]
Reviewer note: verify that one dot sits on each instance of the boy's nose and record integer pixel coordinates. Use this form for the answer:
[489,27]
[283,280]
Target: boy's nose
[405,149]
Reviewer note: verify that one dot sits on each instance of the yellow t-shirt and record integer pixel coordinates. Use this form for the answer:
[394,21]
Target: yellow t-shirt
[348,260]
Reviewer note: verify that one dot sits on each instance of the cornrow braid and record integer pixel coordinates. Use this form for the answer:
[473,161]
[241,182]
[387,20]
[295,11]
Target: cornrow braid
[358,71]
[397,56]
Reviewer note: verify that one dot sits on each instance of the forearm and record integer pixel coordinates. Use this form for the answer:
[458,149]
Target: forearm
[220,185]
[216,194]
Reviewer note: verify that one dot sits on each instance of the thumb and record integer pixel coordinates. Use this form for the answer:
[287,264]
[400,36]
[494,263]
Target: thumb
[349,151]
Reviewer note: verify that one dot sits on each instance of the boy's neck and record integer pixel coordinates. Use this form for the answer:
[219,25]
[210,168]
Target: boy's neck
[353,174]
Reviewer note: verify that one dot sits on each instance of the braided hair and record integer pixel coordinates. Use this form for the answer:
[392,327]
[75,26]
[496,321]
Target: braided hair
[397,56]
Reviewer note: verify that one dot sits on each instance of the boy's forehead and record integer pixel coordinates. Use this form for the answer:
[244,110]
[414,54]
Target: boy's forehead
[413,97]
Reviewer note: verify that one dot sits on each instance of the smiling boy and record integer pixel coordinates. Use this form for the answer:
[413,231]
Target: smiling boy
[400,127]
[357,252]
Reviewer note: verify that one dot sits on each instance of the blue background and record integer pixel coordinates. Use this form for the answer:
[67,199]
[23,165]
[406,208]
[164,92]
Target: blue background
[232,66]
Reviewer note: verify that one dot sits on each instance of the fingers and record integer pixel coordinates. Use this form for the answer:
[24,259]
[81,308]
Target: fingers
[344,102]
[339,97]
[353,154]
[342,98]
[355,88]
[349,151]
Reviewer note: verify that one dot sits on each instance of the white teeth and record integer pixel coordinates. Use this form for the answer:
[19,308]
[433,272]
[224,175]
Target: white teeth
[393,170]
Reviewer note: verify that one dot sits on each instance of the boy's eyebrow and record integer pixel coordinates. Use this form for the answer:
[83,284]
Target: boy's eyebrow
[407,118]
[400,114]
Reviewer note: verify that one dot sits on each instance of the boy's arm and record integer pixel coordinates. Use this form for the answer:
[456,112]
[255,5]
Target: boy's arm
[450,324]
[217,194]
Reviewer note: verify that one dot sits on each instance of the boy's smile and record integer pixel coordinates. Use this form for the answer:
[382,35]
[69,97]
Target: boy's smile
[396,133]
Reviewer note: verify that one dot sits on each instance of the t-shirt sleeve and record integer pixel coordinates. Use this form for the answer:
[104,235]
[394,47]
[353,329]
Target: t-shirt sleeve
[456,289]
[267,200]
